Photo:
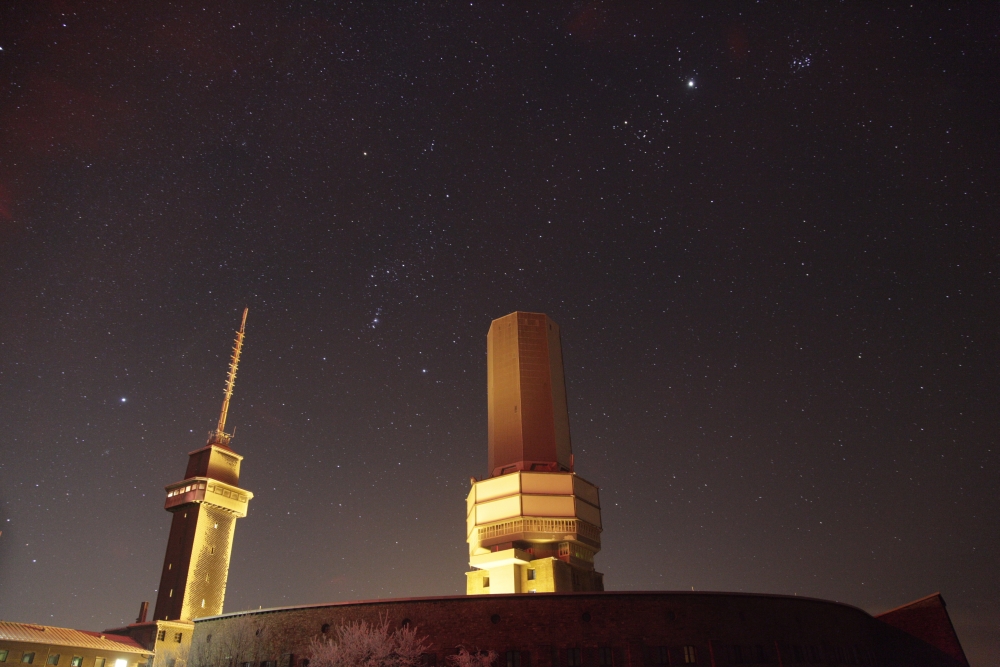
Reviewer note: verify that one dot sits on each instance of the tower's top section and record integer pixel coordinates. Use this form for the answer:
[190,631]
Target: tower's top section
[528,418]
[219,435]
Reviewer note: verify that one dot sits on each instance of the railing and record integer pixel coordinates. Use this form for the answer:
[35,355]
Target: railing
[537,525]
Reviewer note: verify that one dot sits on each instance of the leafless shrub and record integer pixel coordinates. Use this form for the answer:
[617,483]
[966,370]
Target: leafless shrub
[465,658]
[364,644]
[241,640]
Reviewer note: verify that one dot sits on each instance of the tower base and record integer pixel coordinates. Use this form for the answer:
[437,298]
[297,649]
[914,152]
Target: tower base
[544,575]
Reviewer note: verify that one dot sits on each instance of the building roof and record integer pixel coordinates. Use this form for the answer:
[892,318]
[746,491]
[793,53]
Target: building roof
[721,595]
[46,634]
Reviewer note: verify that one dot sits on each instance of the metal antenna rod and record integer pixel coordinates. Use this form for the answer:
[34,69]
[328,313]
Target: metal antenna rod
[231,380]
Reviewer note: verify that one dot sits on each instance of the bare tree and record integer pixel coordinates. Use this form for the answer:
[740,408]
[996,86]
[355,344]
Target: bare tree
[466,658]
[242,640]
[364,644]
[171,655]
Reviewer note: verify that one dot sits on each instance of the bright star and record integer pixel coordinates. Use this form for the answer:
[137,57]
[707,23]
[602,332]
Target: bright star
[690,83]
[123,399]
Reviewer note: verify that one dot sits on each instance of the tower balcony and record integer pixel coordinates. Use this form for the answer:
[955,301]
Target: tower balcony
[206,490]
[532,510]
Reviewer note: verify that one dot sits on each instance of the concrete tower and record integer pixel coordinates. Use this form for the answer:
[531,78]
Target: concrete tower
[533,525]
[205,505]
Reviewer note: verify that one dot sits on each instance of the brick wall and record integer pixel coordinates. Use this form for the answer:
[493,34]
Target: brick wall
[612,629]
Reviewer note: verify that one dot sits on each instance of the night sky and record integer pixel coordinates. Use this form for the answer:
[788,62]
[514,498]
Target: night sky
[768,232]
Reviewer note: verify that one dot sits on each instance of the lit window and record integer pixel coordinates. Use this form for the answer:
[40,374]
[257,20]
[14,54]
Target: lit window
[99,662]
[121,662]
[53,659]
[77,661]
[28,658]
[690,655]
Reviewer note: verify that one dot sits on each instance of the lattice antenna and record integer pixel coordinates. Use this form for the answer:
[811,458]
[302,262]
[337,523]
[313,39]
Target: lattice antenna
[219,435]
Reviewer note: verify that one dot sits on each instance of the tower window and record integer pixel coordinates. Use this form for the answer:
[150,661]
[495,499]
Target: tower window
[211,551]
[690,655]
[203,599]
[171,593]
[531,575]
[486,582]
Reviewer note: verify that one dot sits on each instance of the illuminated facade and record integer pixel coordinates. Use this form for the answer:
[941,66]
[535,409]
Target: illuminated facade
[533,525]
[48,646]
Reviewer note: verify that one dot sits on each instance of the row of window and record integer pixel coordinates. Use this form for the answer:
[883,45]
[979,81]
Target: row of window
[28,658]
[178,636]
[184,489]
[660,655]
[212,488]
[722,654]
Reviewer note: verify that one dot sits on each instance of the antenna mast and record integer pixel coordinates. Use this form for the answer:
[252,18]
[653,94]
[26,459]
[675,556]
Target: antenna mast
[219,435]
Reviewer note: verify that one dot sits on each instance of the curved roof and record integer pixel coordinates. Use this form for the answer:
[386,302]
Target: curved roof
[439,598]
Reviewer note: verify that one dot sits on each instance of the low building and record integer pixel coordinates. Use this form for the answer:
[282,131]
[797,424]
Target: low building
[47,646]
[604,629]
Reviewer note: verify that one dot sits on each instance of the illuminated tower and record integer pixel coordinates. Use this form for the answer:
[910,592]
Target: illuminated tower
[205,505]
[533,525]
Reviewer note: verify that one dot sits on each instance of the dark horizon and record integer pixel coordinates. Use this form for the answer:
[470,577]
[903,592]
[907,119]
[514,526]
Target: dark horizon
[768,236]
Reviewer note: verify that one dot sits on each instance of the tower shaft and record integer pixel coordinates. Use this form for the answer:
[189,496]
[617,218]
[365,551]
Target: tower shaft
[205,506]
[528,416]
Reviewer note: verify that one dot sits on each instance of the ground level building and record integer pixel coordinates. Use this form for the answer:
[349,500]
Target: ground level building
[25,644]
[607,629]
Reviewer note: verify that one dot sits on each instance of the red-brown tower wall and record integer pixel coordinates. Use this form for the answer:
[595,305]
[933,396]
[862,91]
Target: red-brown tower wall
[528,417]
[178,559]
